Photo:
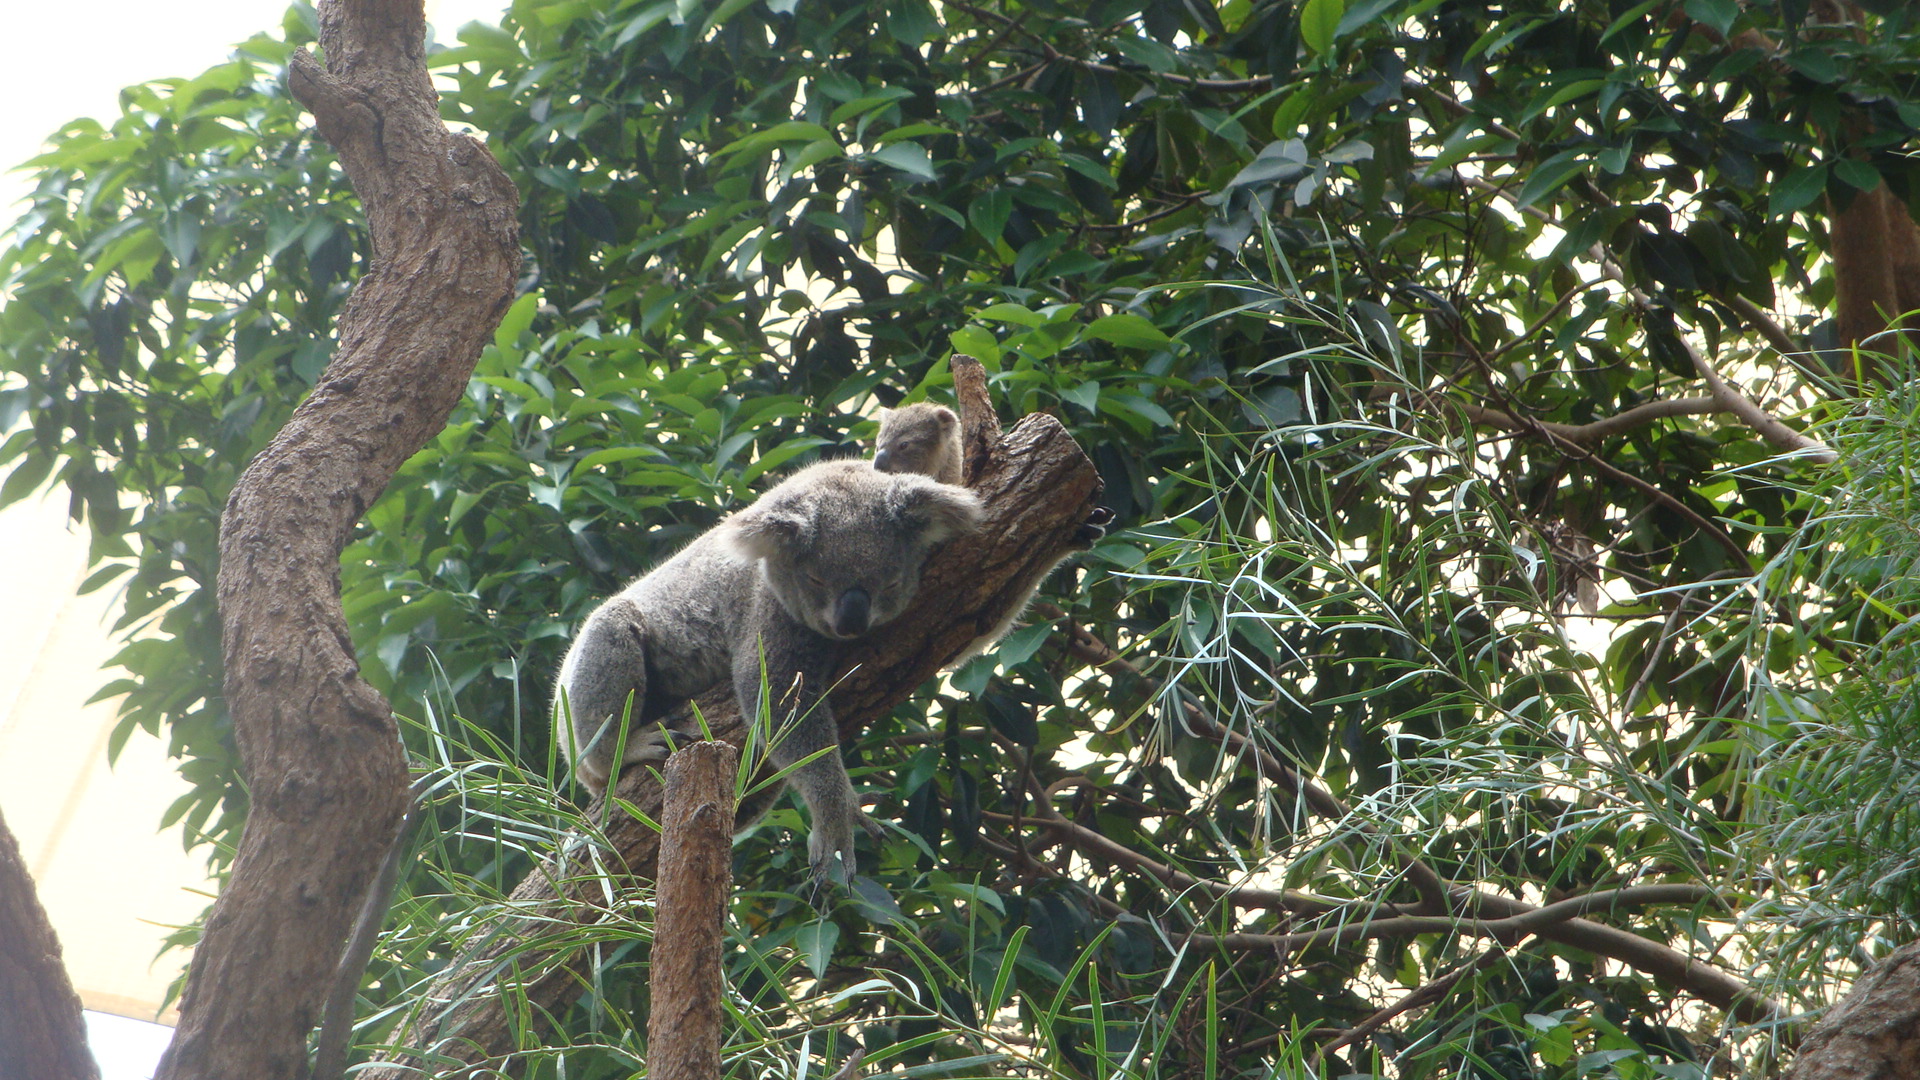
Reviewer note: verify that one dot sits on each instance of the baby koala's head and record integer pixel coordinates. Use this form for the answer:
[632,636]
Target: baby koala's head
[920,438]
[841,544]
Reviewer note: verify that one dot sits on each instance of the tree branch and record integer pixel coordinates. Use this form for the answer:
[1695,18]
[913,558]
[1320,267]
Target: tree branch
[1595,430]
[1778,435]
[42,1033]
[318,745]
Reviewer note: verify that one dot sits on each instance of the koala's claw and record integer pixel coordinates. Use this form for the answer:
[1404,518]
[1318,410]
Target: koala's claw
[1094,529]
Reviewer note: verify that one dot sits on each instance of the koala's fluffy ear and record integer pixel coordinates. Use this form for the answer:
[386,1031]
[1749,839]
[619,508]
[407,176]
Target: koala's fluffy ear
[762,531]
[936,511]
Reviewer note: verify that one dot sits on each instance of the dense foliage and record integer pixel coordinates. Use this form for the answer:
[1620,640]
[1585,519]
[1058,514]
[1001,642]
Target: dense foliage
[1331,292]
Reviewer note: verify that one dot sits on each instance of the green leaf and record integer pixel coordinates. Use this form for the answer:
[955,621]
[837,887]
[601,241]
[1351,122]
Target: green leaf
[791,131]
[517,320]
[816,941]
[990,211]
[1320,22]
[1858,174]
[1012,313]
[1019,646]
[909,157]
[1086,395]
[1548,176]
[1129,331]
[1797,188]
[977,342]
[1719,14]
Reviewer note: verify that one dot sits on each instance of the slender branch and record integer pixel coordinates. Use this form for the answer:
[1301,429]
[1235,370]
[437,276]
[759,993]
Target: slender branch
[1775,334]
[1096,844]
[1730,400]
[1017,857]
[1778,435]
[1148,219]
[1567,446]
[1653,659]
[1539,324]
[1090,649]
[1509,928]
[1427,993]
[1595,430]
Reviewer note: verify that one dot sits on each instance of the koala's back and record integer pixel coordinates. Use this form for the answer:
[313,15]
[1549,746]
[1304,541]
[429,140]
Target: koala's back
[693,605]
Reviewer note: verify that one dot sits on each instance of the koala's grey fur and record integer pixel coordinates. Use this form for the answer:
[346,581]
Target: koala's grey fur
[830,553]
[920,438]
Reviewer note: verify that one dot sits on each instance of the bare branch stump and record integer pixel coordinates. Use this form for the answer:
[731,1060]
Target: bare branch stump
[318,746]
[1038,487]
[690,905]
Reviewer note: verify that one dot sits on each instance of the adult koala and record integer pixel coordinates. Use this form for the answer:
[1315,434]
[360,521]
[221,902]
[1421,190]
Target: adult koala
[827,555]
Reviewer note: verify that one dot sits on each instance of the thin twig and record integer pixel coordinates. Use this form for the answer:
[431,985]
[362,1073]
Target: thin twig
[1428,993]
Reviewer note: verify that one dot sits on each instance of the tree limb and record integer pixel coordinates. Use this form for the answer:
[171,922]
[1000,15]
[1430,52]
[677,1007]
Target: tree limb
[1595,430]
[1778,435]
[42,1033]
[318,746]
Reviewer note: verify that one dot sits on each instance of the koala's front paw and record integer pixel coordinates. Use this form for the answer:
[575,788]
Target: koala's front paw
[1094,529]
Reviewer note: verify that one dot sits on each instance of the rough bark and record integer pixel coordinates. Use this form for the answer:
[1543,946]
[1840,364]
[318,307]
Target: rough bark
[1876,268]
[1874,1033]
[318,746]
[690,905]
[1038,488]
[42,1034]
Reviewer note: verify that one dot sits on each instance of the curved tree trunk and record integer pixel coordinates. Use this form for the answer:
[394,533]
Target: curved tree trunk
[42,1034]
[1874,1033]
[1038,488]
[318,746]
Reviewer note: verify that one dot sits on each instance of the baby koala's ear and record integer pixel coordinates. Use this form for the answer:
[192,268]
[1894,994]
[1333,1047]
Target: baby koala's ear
[763,532]
[933,510]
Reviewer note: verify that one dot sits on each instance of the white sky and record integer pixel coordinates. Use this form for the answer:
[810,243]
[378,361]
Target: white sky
[66,60]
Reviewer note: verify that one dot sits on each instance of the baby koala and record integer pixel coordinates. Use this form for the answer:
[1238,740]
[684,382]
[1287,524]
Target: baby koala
[772,593]
[922,438]
[925,438]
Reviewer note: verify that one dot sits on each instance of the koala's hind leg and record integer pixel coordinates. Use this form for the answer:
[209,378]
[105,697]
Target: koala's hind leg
[603,678]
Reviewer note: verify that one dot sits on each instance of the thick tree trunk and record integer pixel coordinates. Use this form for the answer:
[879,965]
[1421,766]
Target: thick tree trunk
[318,745]
[42,1034]
[1874,1033]
[1038,488]
[690,914]
[1876,269]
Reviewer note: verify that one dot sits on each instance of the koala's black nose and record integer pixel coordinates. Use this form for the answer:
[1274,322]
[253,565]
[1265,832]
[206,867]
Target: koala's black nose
[851,614]
[883,461]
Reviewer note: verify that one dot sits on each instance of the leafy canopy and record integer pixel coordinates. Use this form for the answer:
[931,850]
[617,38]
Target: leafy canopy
[1305,280]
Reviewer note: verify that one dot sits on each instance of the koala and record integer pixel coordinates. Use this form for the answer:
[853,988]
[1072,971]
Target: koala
[922,438]
[827,555]
[925,438]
